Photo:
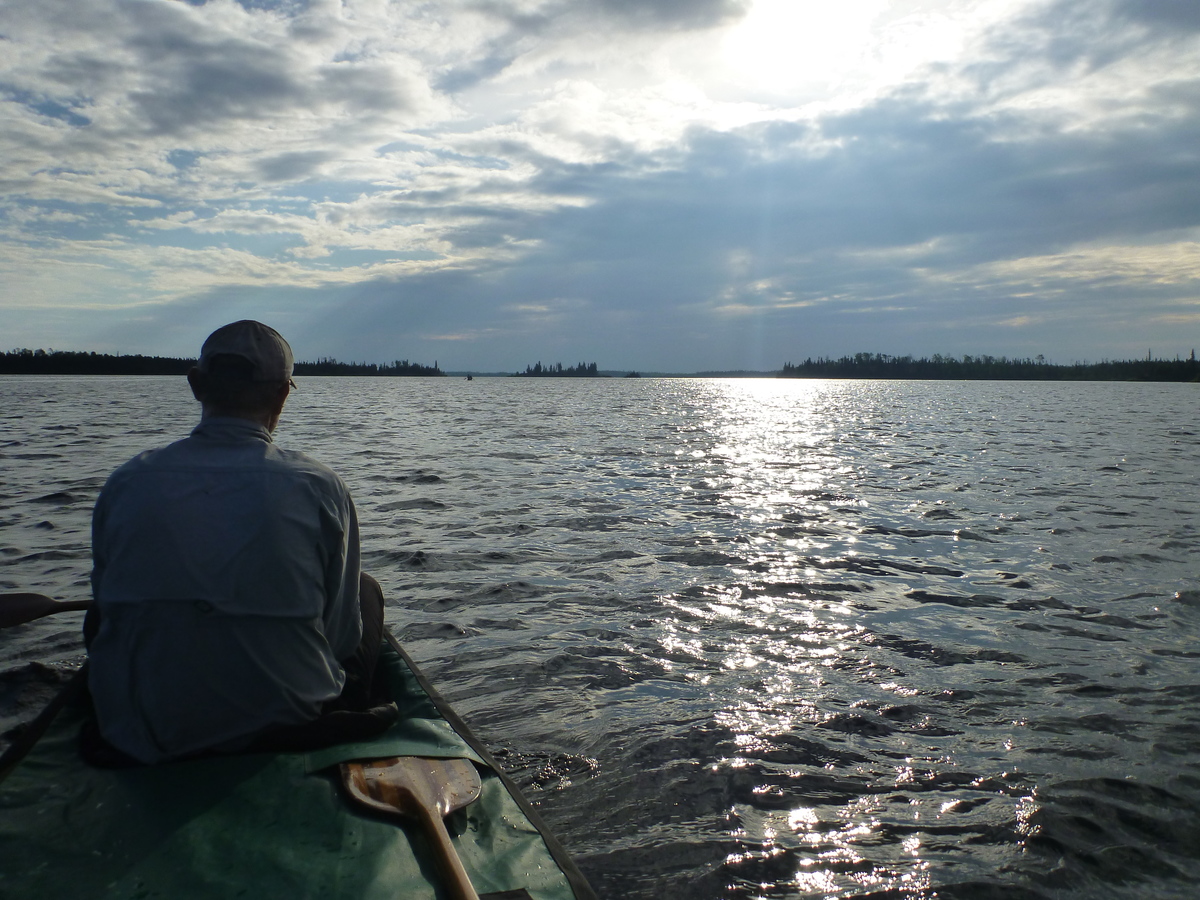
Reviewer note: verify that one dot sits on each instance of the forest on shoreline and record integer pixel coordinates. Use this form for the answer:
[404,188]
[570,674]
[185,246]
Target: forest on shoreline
[60,362]
[858,366]
[991,368]
[556,370]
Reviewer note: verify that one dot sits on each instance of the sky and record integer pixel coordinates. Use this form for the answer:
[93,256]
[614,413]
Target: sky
[659,185]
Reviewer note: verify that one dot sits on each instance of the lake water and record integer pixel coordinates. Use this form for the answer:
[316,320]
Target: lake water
[748,638]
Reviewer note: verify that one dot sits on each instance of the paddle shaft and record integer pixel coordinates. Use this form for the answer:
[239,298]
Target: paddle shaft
[20,608]
[457,881]
[423,789]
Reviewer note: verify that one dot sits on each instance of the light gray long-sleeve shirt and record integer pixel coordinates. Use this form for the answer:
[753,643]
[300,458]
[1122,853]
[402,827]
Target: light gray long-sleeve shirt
[226,574]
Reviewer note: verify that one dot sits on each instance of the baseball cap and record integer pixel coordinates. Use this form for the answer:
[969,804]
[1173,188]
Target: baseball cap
[269,354]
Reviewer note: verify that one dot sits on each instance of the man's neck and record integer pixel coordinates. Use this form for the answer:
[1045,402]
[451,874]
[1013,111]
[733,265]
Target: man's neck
[266,419]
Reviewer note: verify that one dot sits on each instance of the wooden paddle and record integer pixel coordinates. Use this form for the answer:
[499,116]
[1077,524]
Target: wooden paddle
[17,609]
[424,789]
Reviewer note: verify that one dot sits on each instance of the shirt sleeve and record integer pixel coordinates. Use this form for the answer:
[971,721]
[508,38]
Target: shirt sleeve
[343,616]
[91,621]
[98,551]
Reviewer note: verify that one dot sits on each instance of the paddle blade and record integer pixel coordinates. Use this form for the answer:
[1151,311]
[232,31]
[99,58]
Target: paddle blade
[403,784]
[426,790]
[17,609]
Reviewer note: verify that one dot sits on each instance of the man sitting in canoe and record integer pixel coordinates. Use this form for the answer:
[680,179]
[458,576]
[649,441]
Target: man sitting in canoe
[230,613]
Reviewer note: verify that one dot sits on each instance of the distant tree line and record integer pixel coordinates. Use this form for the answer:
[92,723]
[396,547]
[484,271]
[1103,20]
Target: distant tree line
[65,362]
[333,367]
[580,370]
[879,365]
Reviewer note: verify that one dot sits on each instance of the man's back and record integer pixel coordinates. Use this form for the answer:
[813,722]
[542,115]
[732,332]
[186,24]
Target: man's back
[226,574]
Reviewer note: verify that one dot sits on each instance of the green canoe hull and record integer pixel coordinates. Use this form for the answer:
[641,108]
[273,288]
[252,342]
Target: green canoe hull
[260,825]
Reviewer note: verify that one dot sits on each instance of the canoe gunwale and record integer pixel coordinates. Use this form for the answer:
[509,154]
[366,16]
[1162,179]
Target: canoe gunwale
[579,884]
[33,732]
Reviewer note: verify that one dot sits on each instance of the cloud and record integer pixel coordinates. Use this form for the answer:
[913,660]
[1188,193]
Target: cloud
[1134,267]
[294,166]
[1168,19]
[538,18]
[672,13]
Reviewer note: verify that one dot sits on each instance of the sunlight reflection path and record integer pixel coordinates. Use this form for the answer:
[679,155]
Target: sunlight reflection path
[793,469]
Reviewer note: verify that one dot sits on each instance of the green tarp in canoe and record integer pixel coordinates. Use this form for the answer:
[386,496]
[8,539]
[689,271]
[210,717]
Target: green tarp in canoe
[261,826]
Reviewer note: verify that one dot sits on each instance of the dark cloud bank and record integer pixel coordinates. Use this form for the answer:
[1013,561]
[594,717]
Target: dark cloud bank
[821,238]
[742,226]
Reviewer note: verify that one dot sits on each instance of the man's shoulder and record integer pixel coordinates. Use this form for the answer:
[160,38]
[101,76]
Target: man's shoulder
[192,455]
[302,464]
[156,457]
[145,459]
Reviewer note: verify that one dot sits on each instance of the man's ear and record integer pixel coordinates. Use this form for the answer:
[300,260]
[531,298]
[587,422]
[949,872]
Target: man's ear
[196,382]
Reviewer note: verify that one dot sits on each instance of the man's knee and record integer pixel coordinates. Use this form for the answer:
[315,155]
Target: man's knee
[369,590]
[370,603]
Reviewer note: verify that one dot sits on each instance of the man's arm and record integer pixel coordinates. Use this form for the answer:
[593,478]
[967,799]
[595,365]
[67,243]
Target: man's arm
[91,620]
[343,618]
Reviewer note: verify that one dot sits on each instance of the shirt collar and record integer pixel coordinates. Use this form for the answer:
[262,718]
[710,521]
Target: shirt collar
[229,428]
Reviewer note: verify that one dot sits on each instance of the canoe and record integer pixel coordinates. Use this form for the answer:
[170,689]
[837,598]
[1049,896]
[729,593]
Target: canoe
[277,825]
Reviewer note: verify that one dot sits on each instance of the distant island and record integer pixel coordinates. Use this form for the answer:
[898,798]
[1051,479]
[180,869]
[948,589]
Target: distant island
[580,370]
[333,367]
[65,362]
[991,368]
